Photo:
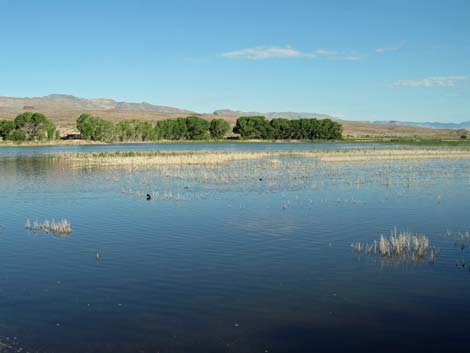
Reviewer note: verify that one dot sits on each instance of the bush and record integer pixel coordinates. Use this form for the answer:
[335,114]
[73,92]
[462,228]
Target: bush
[218,128]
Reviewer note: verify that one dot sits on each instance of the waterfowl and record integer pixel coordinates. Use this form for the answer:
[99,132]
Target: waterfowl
[149,197]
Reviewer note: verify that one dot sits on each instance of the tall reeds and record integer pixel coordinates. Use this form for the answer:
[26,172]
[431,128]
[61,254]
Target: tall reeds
[62,227]
[157,158]
[400,246]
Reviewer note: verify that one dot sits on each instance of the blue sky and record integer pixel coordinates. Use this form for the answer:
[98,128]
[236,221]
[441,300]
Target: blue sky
[361,60]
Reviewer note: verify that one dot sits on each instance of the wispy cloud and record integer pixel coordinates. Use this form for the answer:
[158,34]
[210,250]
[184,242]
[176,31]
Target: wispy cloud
[286,52]
[267,52]
[392,48]
[436,81]
[326,52]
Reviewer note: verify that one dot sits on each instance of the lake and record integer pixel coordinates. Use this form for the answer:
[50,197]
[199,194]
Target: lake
[247,256]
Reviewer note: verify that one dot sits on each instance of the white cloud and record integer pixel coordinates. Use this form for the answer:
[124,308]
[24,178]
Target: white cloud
[436,81]
[326,52]
[353,57]
[393,48]
[286,52]
[267,52]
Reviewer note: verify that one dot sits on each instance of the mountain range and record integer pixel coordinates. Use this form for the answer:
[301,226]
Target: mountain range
[271,115]
[62,102]
[67,102]
[432,125]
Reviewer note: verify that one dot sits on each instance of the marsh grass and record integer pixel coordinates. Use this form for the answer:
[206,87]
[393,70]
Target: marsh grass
[159,158]
[62,227]
[403,247]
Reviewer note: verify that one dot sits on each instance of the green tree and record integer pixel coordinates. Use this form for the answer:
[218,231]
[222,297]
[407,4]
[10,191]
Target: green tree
[6,128]
[35,126]
[253,127]
[172,129]
[198,128]
[281,128]
[17,135]
[218,128]
[256,127]
[135,130]
[95,128]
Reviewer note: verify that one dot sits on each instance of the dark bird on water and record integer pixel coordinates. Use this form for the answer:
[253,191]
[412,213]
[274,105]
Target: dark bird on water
[149,197]
[260,179]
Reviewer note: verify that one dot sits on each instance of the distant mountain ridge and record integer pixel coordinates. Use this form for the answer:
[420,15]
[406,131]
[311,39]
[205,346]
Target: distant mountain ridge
[287,115]
[68,102]
[432,125]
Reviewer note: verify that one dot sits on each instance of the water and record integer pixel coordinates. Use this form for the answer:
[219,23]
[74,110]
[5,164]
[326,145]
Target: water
[219,261]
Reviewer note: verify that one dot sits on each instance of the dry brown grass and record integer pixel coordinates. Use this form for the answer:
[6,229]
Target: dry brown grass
[400,246]
[62,227]
[152,158]
[393,155]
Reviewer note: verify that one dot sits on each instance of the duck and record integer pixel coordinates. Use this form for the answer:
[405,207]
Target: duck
[149,197]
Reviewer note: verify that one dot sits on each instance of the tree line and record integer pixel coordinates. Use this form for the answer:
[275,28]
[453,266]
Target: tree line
[189,128]
[258,127]
[37,127]
[28,127]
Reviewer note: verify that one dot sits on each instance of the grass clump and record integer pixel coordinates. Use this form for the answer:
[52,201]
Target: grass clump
[62,227]
[399,246]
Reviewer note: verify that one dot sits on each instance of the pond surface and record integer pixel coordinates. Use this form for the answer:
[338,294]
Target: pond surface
[221,261]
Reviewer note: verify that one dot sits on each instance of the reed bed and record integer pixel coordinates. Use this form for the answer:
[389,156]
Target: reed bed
[402,247]
[393,155]
[62,227]
[158,158]
[150,159]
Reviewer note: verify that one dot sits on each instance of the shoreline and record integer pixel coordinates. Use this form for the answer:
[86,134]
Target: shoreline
[384,140]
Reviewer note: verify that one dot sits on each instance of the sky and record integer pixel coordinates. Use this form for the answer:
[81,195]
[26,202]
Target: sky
[358,60]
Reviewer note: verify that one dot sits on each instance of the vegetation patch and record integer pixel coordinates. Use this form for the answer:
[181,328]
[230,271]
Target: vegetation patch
[62,227]
[28,127]
[402,247]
